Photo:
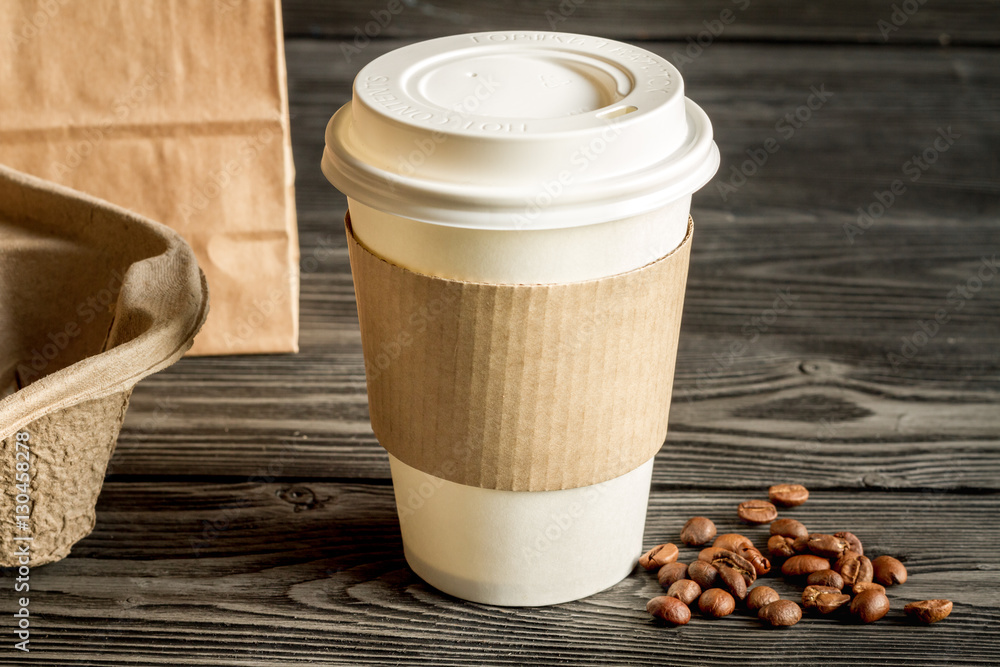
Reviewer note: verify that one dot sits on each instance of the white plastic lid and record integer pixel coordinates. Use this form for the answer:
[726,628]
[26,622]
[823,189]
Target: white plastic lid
[519,130]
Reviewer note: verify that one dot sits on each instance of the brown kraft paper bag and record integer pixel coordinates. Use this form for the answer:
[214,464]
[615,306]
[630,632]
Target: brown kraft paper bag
[177,110]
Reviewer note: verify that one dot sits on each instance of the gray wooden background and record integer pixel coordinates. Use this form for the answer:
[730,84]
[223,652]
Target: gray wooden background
[248,516]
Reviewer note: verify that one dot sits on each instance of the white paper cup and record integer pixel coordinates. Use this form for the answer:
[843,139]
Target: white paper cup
[524,158]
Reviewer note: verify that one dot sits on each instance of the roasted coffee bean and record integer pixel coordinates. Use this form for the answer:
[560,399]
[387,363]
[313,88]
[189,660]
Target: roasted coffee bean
[889,571]
[716,602]
[780,613]
[732,580]
[789,528]
[805,564]
[757,511]
[826,578]
[684,590]
[671,610]
[827,546]
[780,546]
[698,531]
[867,586]
[708,554]
[854,569]
[704,574]
[870,606]
[801,545]
[761,596]
[824,599]
[788,495]
[733,542]
[827,603]
[760,563]
[854,544]
[672,572]
[738,563]
[928,611]
[659,556]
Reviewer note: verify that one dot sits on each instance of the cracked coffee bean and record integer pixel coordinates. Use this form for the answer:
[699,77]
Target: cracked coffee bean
[867,586]
[698,531]
[870,606]
[757,511]
[788,495]
[732,580]
[738,563]
[852,540]
[854,569]
[803,565]
[672,572]
[716,602]
[789,528]
[684,590]
[659,556]
[669,609]
[780,613]
[708,554]
[827,546]
[826,578]
[760,563]
[928,611]
[780,546]
[889,571]
[824,599]
[761,596]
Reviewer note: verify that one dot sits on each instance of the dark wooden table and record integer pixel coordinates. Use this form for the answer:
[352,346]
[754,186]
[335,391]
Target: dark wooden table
[248,516]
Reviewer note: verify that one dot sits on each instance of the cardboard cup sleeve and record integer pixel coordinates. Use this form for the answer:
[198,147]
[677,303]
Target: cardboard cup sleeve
[520,387]
[93,298]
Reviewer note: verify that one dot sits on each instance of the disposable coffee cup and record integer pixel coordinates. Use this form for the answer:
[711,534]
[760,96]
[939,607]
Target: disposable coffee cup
[519,234]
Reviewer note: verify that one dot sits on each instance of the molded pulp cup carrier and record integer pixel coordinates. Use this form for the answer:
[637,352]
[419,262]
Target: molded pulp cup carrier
[93,299]
[519,236]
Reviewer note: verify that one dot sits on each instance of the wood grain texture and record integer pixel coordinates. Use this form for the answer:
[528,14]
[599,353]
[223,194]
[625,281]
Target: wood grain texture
[312,573]
[248,517]
[812,391]
[956,21]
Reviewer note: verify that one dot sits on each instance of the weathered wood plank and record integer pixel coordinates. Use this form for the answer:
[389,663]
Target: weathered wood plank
[827,430]
[264,574]
[957,21]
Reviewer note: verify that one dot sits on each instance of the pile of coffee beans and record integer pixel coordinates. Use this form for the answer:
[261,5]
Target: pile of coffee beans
[837,576]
